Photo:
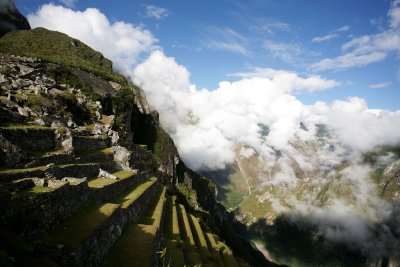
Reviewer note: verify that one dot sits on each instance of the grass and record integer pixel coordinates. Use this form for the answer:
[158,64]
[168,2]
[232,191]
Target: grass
[174,253]
[75,230]
[227,256]
[136,244]
[58,48]
[133,247]
[10,126]
[199,238]
[104,151]
[128,199]
[14,171]
[172,242]
[175,223]
[41,153]
[36,190]
[192,257]
[188,232]
[101,182]
[153,213]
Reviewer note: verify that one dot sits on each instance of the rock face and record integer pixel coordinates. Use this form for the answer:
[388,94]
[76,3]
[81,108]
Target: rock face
[10,18]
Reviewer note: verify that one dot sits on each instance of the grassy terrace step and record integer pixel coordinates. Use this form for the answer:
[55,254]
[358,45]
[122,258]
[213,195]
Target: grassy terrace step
[77,240]
[139,242]
[227,255]
[214,248]
[101,182]
[74,231]
[172,240]
[7,175]
[199,238]
[192,257]
[22,135]
[72,170]
[127,199]
[105,154]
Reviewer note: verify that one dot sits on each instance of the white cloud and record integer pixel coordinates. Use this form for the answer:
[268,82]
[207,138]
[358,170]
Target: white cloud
[122,42]
[287,52]
[367,49]
[394,14]
[156,12]
[380,85]
[332,35]
[343,29]
[204,123]
[270,26]
[290,81]
[68,3]
[324,38]
[347,61]
[225,39]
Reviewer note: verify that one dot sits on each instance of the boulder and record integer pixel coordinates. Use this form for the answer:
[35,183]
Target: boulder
[67,144]
[106,174]
[121,155]
[23,111]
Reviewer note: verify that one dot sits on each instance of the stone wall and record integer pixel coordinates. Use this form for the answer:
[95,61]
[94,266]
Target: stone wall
[93,251]
[38,212]
[31,215]
[85,143]
[34,139]
[88,170]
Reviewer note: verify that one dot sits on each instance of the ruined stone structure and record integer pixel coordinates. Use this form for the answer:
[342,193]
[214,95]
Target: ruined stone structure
[74,193]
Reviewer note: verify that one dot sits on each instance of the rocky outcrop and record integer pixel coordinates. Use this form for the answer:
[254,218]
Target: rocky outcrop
[11,19]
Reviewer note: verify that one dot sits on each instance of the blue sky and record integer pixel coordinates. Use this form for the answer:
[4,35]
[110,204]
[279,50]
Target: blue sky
[216,39]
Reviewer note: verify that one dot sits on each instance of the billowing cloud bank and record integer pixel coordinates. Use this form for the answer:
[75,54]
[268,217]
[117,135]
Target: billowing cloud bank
[208,125]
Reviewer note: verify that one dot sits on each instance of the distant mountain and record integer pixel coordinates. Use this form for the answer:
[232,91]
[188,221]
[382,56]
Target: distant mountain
[10,18]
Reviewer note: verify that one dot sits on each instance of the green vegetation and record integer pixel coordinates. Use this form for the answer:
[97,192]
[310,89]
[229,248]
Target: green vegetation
[232,186]
[24,127]
[101,182]
[298,245]
[129,198]
[79,227]
[58,48]
[35,190]
[123,102]
[14,171]
[173,244]
[135,246]
[192,257]
[199,239]
[227,255]
[87,153]
[5,70]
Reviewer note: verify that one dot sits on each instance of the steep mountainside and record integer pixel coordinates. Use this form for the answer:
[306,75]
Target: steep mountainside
[10,18]
[87,175]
